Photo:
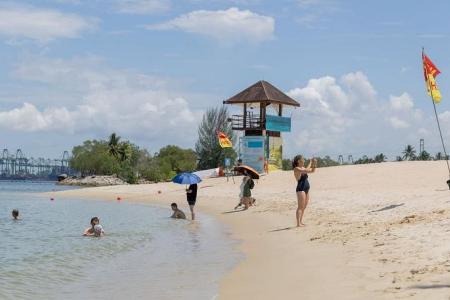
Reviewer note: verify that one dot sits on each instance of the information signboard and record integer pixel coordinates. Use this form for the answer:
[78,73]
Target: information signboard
[252,155]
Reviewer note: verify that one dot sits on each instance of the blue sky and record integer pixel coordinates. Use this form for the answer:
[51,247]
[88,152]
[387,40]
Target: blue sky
[147,69]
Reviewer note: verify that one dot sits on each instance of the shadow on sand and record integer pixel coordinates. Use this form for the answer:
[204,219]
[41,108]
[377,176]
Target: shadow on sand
[392,206]
[283,229]
[233,211]
[430,286]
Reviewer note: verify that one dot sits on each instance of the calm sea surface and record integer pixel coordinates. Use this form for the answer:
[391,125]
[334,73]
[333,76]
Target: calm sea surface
[145,255]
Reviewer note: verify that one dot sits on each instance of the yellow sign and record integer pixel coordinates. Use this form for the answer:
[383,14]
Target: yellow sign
[275,153]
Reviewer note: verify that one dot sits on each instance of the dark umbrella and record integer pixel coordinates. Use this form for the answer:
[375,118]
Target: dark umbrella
[186,178]
[250,171]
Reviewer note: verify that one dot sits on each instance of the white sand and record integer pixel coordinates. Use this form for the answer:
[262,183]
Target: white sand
[351,248]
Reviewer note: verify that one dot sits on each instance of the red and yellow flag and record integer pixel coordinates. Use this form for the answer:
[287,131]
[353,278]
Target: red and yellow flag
[224,141]
[430,71]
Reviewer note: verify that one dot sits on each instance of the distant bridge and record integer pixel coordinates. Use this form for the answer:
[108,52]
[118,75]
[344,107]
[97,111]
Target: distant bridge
[18,166]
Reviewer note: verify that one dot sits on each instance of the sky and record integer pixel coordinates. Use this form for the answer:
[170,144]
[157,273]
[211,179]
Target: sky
[72,70]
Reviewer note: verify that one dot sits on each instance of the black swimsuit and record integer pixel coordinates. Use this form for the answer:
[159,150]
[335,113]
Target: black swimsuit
[303,184]
[192,196]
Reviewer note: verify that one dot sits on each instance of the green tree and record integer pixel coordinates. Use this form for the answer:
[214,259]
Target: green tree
[179,160]
[286,164]
[364,160]
[157,170]
[114,145]
[439,156]
[409,153]
[399,158]
[424,155]
[209,152]
[380,158]
[125,151]
[92,157]
[326,161]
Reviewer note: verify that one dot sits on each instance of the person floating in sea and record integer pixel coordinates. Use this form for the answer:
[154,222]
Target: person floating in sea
[177,213]
[302,190]
[191,195]
[15,214]
[96,229]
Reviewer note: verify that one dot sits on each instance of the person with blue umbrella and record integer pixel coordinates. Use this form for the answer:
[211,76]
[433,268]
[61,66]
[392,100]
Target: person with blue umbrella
[191,192]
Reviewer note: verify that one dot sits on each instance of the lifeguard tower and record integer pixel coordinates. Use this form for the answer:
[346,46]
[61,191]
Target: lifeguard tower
[261,124]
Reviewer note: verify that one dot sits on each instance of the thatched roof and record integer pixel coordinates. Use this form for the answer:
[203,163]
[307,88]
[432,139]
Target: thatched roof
[262,91]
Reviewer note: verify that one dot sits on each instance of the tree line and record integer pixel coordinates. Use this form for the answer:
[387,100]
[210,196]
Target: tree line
[115,156]
[409,153]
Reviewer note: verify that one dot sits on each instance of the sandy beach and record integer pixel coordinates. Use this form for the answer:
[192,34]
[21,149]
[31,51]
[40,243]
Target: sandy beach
[377,231]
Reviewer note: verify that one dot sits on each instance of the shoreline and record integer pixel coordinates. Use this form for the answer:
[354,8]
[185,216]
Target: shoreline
[344,252]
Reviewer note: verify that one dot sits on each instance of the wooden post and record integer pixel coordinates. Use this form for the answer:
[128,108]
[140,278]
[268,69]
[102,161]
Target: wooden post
[262,115]
[280,110]
[245,117]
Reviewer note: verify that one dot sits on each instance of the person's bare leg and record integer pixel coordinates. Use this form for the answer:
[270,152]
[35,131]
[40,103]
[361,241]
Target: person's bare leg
[246,202]
[239,204]
[307,200]
[300,205]
[303,207]
[191,207]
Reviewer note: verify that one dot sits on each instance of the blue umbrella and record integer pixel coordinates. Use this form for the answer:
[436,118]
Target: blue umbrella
[186,178]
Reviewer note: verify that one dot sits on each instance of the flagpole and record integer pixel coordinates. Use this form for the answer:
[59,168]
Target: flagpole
[439,125]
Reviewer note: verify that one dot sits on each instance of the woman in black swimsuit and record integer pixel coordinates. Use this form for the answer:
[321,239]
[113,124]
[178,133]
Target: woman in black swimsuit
[302,190]
[191,195]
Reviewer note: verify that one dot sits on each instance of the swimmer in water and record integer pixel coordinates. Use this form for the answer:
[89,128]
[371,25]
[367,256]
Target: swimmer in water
[15,214]
[96,229]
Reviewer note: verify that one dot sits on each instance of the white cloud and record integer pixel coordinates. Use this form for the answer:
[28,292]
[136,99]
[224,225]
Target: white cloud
[314,12]
[331,108]
[402,102]
[43,25]
[346,116]
[397,123]
[231,25]
[101,100]
[445,116]
[140,7]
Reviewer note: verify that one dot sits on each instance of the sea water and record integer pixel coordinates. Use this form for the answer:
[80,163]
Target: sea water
[144,254]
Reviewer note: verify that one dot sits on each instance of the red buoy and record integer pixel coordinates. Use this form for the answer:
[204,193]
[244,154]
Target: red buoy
[118,198]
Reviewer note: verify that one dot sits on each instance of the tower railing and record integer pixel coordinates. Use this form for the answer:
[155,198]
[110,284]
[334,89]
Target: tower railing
[241,122]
